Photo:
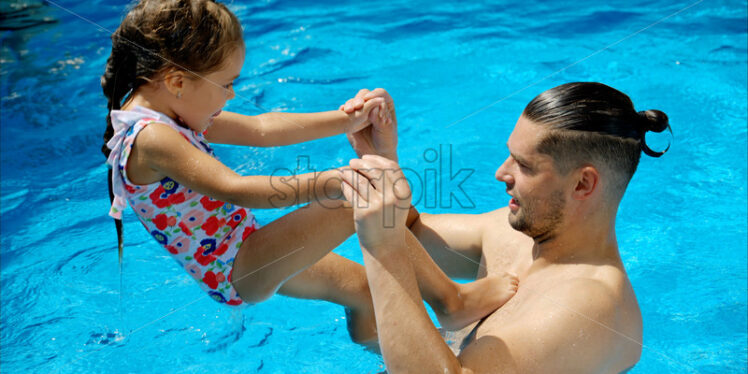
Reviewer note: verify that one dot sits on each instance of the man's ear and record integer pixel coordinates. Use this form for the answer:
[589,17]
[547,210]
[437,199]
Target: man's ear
[588,181]
[174,82]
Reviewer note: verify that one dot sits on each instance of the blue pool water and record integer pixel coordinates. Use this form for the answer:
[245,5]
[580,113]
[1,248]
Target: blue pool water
[681,226]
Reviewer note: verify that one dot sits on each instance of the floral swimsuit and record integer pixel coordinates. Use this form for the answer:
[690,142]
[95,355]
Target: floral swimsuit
[203,235]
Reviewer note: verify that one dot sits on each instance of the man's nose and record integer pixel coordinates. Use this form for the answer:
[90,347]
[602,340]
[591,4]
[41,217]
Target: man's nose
[502,174]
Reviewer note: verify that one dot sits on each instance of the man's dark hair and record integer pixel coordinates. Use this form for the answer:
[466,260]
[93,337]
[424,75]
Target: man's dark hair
[591,123]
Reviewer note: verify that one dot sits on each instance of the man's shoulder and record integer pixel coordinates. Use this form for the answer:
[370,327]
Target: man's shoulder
[498,233]
[590,295]
[567,324]
[497,221]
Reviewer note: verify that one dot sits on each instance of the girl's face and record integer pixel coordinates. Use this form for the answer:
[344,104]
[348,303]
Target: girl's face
[202,98]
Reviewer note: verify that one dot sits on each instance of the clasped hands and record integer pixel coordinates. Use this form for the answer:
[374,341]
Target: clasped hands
[375,185]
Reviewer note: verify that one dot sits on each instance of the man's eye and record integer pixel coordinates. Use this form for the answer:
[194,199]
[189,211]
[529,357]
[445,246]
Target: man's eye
[227,86]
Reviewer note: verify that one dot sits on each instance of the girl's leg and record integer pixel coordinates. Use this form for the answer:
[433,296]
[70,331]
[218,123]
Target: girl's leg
[342,281]
[275,257]
[275,253]
[333,278]
[457,305]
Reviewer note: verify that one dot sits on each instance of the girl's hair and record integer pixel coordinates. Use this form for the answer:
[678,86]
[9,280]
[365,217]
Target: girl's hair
[157,36]
[593,123]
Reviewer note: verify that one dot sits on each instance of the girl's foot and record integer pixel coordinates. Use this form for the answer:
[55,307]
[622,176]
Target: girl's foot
[362,328]
[477,299]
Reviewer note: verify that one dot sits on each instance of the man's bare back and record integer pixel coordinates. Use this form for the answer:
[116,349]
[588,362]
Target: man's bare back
[617,333]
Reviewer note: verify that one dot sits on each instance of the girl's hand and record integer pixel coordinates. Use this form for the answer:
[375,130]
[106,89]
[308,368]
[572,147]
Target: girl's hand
[381,137]
[359,117]
[380,195]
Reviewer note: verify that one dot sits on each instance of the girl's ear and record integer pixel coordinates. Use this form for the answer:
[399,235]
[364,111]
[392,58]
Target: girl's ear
[174,82]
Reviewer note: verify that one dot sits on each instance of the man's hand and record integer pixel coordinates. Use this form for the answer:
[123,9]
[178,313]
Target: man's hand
[380,195]
[381,137]
[361,116]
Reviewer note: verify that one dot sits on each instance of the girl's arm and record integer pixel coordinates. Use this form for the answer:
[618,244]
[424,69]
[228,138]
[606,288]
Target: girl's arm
[167,153]
[276,128]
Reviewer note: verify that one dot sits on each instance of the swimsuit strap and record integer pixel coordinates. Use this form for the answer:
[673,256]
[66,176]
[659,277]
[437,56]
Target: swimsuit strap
[124,123]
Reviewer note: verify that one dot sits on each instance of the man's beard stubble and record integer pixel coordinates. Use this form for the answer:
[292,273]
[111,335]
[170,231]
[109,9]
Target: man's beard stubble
[539,227]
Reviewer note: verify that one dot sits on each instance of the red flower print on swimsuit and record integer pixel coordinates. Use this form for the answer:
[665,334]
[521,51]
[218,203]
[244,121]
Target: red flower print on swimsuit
[185,228]
[210,279]
[237,217]
[234,302]
[221,249]
[247,231]
[173,250]
[160,221]
[176,198]
[212,225]
[129,188]
[162,198]
[201,259]
[158,197]
[210,204]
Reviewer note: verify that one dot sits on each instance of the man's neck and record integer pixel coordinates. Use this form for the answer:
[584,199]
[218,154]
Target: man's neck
[590,241]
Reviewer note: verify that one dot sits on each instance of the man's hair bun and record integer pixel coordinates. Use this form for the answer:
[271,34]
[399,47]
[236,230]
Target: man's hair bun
[655,121]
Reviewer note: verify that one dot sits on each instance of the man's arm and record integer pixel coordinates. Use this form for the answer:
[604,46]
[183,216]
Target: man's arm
[454,241]
[407,338]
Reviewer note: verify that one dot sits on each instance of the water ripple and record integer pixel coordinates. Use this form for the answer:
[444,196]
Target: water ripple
[300,57]
[596,22]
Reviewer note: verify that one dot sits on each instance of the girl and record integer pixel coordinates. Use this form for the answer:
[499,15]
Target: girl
[170,72]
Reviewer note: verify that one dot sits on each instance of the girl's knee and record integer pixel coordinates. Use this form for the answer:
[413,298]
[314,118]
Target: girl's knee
[253,292]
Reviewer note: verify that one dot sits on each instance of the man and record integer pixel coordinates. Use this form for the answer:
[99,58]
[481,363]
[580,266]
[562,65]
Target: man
[572,154]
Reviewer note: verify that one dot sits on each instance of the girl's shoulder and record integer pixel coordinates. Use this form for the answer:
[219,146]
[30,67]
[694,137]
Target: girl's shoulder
[154,135]
[139,115]
[138,121]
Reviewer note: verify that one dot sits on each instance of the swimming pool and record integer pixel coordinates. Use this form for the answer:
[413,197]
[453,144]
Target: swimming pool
[460,75]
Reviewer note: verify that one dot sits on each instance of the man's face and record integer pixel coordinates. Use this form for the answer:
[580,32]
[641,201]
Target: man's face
[537,190]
